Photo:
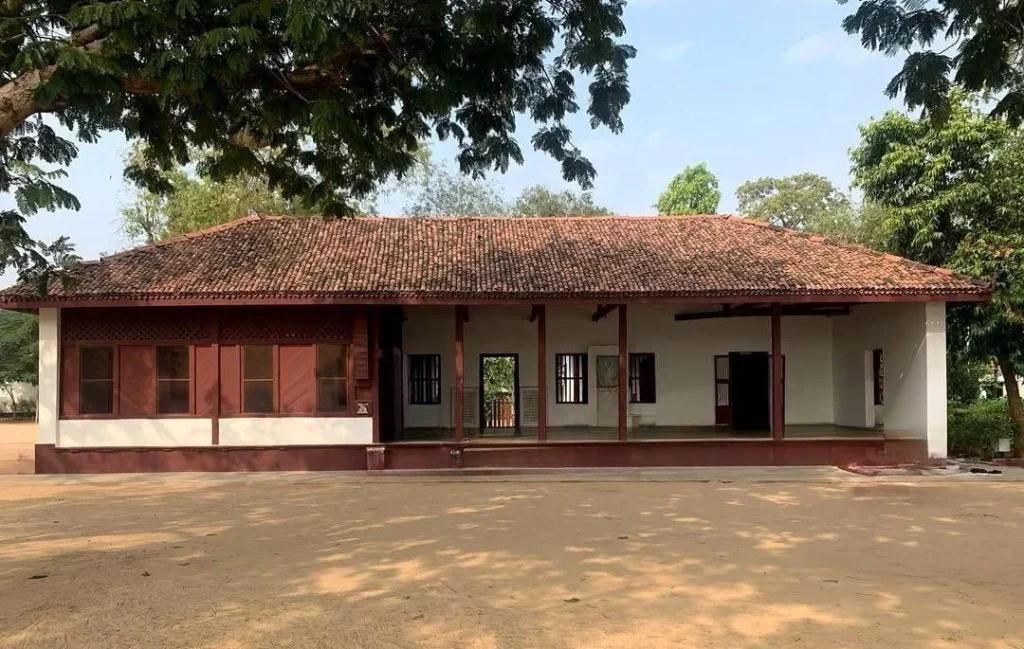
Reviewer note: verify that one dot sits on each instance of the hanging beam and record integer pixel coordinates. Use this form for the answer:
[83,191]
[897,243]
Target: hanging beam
[602,311]
[761,311]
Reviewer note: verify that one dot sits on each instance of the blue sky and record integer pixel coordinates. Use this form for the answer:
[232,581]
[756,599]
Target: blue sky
[752,87]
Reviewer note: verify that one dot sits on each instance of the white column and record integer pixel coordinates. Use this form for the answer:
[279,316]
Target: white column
[935,355]
[48,406]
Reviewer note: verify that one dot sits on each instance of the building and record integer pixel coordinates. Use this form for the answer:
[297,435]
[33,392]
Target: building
[275,343]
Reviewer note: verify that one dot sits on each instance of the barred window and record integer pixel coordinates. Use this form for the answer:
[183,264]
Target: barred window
[424,379]
[641,379]
[571,378]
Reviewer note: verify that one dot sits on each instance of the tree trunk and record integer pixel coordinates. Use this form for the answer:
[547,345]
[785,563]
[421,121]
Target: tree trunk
[18,98]
[1013,400]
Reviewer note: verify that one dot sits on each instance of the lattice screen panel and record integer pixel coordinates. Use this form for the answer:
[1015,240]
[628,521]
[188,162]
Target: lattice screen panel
[291,323]
[528,403]
[137,325]
[470,407]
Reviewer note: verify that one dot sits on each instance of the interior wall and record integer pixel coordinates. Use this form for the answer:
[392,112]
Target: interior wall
[684,358]
[913,343]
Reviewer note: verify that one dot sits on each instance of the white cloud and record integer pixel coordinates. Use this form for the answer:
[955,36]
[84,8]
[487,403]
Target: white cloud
[673,52]
[829,46]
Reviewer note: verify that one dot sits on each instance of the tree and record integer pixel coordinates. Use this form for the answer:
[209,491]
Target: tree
[802,202]
[695,191]
[19,351]
[440,192]
[980,41]
[541,201]
[336,93]
[954,196]
[196,202]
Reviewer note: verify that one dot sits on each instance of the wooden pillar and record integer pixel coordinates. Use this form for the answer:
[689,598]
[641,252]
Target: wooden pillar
[542,374]
[623,372]
[778,395]
[460,373]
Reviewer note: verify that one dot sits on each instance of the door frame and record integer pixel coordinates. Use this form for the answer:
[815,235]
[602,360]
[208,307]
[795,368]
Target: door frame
[728,383]
[515,389]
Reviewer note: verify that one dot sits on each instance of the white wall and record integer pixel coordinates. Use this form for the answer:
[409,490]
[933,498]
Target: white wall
[22,392]
[912,337]
[288,431]
[684,358]
[135,432]
[47,407]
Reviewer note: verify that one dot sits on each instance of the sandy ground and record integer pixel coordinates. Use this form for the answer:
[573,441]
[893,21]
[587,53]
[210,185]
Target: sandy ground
[317,560]
[17,447]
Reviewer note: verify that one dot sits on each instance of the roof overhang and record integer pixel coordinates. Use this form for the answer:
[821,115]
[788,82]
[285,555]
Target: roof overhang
[477,300]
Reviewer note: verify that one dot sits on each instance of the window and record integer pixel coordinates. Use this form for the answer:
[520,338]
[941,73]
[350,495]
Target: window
[424,379]
[97,381]
[641,379]
[257,378]
[571,378]
[331,384]
[172,380]
[879,376]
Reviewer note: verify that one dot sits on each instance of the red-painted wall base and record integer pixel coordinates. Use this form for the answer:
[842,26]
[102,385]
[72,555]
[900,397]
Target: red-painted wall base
[144,460]
[451,456]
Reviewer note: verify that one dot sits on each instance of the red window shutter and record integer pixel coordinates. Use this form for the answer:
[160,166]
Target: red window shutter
[297,369]
[206,381]
[230,380]
[137,381]
[69,381]
[360,347]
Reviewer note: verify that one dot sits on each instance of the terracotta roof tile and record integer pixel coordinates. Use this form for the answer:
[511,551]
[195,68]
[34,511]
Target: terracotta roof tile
[502,258]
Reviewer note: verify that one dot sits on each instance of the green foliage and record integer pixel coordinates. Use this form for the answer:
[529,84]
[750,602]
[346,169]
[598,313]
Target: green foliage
[324,99]
[806,202]
[974,44]
[937,181]
[974,429]
[694,191]
[195,202]
[439,192]
[963,378]
[541,201]
[19,350]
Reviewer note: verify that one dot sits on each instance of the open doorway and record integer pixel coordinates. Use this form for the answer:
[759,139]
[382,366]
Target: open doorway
[499,394]
[750,390]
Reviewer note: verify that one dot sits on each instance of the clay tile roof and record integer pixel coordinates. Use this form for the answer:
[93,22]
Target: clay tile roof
[602,258]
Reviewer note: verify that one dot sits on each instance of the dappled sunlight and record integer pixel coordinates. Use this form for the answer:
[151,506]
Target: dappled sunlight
[101,543]
[764,621]
[299,561]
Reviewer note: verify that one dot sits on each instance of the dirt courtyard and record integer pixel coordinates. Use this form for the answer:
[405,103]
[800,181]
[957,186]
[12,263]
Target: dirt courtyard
[317,560]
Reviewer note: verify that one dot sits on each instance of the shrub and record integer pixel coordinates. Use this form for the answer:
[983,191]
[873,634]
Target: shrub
[974,429]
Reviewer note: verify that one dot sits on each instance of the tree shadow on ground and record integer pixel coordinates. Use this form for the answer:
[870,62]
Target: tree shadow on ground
[311,560]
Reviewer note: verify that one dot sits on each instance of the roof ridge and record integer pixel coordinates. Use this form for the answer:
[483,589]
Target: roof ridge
[820,238]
